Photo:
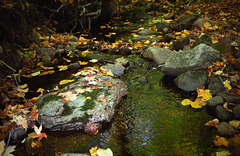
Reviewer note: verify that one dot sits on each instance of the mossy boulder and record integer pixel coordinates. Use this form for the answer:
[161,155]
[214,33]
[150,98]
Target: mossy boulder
[88,100]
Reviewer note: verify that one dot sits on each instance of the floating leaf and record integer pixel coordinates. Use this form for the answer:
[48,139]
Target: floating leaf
[186,102]
[65,81]
[62,68]
[213,122]
[93,151]
[36,73]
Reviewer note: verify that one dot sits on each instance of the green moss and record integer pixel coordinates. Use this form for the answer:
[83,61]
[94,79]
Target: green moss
[88,104]
[48,99]
[83,118]
[93,94]
[67,110]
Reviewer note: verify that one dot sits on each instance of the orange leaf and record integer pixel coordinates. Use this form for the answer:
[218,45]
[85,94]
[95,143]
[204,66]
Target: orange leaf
[219,141]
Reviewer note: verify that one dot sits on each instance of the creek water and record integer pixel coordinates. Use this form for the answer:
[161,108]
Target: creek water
[149,121]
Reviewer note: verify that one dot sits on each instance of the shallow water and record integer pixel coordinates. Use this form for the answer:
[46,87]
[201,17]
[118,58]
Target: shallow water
[149,121]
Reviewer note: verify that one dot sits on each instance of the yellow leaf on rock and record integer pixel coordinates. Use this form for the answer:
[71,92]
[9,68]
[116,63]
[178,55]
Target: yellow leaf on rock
[65,82]
[227,85]
[86,52]
[82,63]
[204,93]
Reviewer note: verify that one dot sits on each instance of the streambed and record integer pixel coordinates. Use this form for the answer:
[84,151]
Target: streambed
[149,121]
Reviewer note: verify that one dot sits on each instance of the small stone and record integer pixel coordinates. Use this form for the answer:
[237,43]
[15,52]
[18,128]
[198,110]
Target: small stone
[236,112]
[148,32]
[215,85]
[229,98]
[215,101]
[1,50]
[226,130]
[222,114]
[142,79]
[73,39]
[123,61]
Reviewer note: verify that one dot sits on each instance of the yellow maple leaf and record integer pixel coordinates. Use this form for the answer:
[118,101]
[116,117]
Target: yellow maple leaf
[204,93]
[82,63]
[227,85]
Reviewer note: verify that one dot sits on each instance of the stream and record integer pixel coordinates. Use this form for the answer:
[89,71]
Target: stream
[150,121]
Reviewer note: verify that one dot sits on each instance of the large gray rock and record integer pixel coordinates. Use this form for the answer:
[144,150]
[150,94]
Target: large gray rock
[190,81]
[197,58]
[159,55]
[88,100]
[185,22]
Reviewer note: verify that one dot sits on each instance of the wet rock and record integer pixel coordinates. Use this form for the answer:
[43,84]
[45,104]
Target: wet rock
[41,51]
[226,130]
[1,50]
[204,39]
[146,32]
[185,22]
[159,55]
[47,60]
[199,22]
[142,79]
[229,97]
[74,66]
[72,107]
[17,135]
[236,112]
[163,27]
[123,61]
[140,38]
[72,39]
[222,114]
[215,101]
[190,81]
[116,69]
[179,44]
[224,45]
[215,85]
[197,58]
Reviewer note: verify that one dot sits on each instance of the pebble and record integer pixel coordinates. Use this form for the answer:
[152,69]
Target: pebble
[226,130]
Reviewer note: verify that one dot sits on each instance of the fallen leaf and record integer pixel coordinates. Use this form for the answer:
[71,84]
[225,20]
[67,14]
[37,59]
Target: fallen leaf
[227,84]
[104,152]
[223,153]
[93,151]
[213,122]
[86,52]
[36,73]
[8,151]
[63,67]
[82,63]
[220,141]
[65,81]
[205,94]
[103,99]
[235,123]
